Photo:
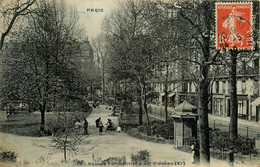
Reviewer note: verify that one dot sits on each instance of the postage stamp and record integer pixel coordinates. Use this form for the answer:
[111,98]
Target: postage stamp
[233,25]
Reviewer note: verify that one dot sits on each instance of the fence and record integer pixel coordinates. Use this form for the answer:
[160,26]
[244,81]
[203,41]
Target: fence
[244,130]
[159,111]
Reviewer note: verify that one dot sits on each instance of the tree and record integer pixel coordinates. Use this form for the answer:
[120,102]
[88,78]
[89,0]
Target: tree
[46,53]
[99,45]
[195,20]
[65,137]
[234,58]
[134,49]
[9,13]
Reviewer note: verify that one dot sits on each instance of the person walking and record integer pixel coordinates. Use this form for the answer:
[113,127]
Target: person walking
[97,122]
[77,126]
[85,124]
[195,152]
[97,104]
[114,110]
[101,126]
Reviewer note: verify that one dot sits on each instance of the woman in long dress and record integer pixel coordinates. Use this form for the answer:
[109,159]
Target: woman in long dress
[101,126]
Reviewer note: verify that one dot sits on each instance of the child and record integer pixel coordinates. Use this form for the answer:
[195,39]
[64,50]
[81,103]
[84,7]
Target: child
[118,129]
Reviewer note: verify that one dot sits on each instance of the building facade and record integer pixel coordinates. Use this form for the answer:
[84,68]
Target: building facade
[184,88]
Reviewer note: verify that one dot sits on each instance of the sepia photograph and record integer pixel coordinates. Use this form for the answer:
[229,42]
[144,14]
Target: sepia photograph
[129,83]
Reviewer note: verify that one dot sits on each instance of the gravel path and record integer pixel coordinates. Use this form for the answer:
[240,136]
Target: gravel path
[94,146]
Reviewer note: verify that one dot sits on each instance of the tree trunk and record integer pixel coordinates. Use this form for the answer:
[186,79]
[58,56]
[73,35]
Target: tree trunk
[140,112]
[91,89]
[233,96]
[103,83]
[65,154]
[145,106]
[203,116]
[204,91]
[42,110]
[166,93]
[141,104]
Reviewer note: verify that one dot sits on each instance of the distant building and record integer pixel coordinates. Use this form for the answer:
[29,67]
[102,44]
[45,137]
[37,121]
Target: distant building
[86,56]
[182,87]
[89,69]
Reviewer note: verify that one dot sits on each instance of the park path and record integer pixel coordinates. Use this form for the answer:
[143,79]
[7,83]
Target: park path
[95,146]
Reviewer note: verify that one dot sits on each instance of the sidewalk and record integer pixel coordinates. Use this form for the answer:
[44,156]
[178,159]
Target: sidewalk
[245,128]
[241,122]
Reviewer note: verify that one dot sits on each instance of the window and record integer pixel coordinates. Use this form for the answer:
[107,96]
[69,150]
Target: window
[185,87]
[217,86]
[240,108]
[243,87]
[228,86]
[224,87]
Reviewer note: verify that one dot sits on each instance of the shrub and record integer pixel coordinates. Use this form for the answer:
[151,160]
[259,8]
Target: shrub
[142,156]
[8,156]
[115,160]
[109,101]
[77,162]
[244,145]
[157,121]
[165,130]
[54,126]
[141,129]
[134,133]
[221,140]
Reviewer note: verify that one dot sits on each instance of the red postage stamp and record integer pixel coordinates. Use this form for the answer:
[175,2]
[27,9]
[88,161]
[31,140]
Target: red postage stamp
[233,25]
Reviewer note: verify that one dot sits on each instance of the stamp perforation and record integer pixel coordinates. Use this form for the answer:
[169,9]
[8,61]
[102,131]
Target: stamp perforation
[217,23]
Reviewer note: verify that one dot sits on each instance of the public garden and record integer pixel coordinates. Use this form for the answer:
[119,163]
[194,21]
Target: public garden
[173,89]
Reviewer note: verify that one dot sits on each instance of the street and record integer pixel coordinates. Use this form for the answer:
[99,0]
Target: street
[245,128]
[94,147]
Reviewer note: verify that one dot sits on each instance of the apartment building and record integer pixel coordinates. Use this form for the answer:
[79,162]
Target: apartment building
[184,87]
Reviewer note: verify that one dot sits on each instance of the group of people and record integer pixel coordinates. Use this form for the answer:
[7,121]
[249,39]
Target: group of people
[109,126]
[79,124]
[99,125]
[95,104]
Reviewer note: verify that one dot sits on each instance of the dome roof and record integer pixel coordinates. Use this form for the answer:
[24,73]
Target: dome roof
[185,107]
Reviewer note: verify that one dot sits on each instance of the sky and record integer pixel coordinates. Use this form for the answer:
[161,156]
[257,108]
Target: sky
[91,21]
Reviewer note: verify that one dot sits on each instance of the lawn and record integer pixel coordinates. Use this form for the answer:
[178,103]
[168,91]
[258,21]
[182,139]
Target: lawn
[24,124]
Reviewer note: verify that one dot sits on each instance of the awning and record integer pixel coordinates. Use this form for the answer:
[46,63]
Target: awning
[171,94]
[256,102]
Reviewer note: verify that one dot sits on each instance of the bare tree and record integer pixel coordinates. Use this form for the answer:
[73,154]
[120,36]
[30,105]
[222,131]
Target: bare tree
[132,45]
[102,55]
[9,13]
[66,138]
[194,24]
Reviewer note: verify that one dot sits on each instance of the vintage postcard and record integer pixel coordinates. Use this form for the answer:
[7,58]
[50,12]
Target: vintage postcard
[129,83]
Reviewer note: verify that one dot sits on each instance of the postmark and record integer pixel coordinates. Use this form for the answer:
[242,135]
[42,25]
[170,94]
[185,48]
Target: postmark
[233,26]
